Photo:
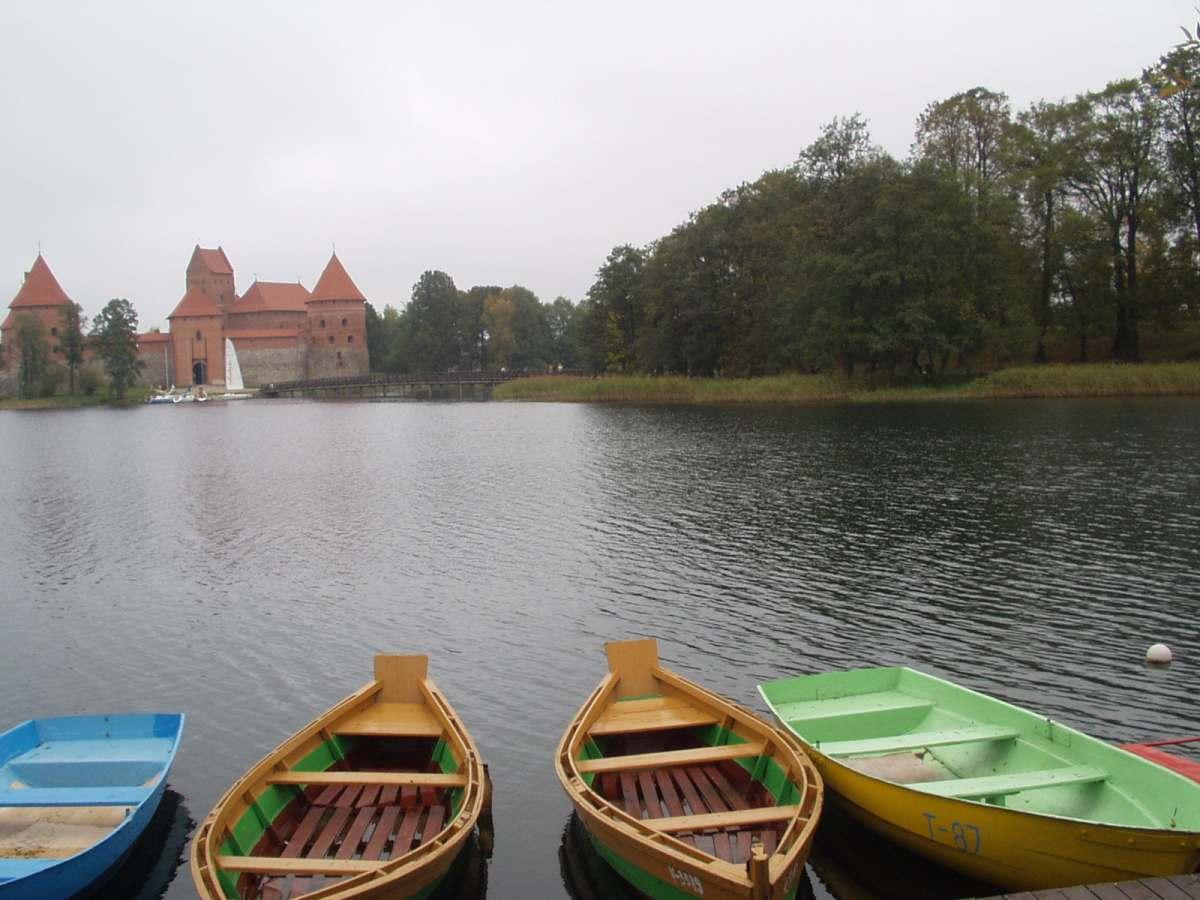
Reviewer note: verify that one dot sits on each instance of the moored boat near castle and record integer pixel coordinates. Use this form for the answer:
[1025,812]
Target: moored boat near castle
[1001,794]
[377,797]
[684,793]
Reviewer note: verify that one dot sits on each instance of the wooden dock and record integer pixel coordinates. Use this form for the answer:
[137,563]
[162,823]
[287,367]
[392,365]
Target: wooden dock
[1177,887]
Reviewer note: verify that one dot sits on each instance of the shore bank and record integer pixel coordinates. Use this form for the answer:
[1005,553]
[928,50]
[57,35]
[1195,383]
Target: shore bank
[73,401]
[1025,382]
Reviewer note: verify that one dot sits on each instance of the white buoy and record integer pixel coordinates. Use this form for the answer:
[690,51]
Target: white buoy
[1160,654]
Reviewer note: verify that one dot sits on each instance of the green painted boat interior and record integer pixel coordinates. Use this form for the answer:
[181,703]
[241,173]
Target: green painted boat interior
[272,801]
[904,726]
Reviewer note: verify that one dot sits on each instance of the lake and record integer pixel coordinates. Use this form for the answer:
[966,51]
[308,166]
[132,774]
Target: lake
[242,563]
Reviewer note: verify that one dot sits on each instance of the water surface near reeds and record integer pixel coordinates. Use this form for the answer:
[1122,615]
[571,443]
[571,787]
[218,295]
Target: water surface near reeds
[242,563]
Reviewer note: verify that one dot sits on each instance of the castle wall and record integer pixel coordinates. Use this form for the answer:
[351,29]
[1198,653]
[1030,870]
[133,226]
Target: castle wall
[156,371]
[326,361]
[266,319]
[270,360]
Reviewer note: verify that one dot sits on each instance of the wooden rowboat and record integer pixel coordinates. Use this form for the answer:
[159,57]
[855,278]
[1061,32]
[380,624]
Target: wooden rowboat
[375,798]
[75,793]
[1001,794]
[681,791]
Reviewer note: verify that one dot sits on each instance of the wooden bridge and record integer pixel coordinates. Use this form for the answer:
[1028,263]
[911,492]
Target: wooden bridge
[427,386]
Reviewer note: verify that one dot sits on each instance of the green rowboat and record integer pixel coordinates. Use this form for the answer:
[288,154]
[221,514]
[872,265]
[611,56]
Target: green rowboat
[999,793]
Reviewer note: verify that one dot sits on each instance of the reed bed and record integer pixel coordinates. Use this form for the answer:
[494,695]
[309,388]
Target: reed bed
[1094,380]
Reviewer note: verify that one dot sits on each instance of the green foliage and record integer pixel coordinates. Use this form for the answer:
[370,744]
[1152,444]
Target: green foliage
[71,341]
[33,353]
[89,381]
[52,379]
[114,337]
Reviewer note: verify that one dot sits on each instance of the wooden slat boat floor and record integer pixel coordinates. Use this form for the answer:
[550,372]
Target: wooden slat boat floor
[650,714]
[391,720]
[699,804]
[340,837]
[1001,785]
[919,739]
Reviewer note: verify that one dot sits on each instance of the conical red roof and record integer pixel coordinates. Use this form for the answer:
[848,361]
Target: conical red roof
[336,284]
[196,303]
[40,288]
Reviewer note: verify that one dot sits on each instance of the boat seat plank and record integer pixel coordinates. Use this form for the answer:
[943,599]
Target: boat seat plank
[328,834]
[383,831]
[692,756]
[388,795]
[737,819]
[354,836]
[629,795]
[1001,785]
[616,720]
[121,795]
[342,779]
[275,865]
[304,831]
[721,783]
[408,828]
[918,739]
[369,795]
[433,824]
[391,720]
[853,705]
[649,794]
[670,797]
[409,796]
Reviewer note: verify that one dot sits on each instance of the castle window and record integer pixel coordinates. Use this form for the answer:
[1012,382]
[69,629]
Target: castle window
[53,332]
[349,339]
[344,323]
[331,339]
[339,354]
[322,323]
[199,336]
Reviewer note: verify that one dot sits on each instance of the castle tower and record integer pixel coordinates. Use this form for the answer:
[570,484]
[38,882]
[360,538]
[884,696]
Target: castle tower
[210,272]
[198,339]
[337,325]
[40,296]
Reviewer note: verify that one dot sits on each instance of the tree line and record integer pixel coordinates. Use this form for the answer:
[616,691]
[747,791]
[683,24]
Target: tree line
[112,339]
[1074,223]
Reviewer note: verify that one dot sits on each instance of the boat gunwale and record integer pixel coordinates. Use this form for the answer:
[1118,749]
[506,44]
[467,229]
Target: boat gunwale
[445,844]
[735,878]
[815,751]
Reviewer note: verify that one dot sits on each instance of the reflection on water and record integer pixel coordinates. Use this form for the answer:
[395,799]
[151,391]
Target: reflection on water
[156,857]
[243,563]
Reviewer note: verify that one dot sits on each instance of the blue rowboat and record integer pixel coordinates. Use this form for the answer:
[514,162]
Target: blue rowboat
[75,793]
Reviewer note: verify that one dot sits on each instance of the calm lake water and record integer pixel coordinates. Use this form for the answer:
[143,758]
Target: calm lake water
[243,562]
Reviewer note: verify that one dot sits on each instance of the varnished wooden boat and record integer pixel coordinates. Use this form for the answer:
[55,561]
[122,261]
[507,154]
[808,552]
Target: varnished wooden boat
[377,797]
[1001,794]
[683,792]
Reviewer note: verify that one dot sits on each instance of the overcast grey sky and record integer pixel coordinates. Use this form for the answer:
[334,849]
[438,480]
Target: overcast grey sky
[511,142]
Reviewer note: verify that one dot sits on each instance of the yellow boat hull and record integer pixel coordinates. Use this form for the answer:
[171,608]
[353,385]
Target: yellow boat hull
[1009,848]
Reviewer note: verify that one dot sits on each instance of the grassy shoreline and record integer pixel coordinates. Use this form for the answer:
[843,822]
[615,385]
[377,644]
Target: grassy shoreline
[73,401]
[1025,382]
